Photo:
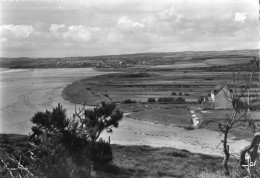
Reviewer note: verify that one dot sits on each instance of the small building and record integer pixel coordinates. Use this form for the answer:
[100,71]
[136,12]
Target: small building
[220,98]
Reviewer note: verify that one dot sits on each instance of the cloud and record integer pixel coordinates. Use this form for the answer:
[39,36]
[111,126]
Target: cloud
[97,28]
[125,24]
[240,17]
[56,27]
[16,31]
[170,14]
[77,33]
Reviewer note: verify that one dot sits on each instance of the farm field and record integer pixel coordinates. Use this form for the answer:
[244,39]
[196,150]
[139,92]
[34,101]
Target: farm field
[131,88]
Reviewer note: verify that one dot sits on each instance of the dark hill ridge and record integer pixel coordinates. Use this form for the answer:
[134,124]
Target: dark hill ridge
[125,60]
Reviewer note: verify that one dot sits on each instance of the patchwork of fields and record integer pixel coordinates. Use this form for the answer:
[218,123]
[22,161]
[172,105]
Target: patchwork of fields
[137,90]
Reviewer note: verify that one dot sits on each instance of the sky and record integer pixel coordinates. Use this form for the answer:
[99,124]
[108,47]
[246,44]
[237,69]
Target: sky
[65,28]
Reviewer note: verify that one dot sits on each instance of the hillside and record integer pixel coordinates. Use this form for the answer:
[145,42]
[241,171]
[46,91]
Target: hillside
[140,161]
[125,60]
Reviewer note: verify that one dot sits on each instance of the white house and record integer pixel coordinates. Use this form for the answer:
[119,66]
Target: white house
[220,98]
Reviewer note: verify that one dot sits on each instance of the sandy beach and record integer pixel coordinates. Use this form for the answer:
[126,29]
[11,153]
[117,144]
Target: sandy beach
[135,132]
[24,92]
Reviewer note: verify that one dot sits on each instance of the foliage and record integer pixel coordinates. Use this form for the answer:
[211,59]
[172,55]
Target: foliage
[90,123]
[58,143]
[174,94]
[100,151]
[151,100]
[127,101]
[165,99]
[137,75]
[12,167]
[60,163]
[200,99]
[106,95]
[179,100]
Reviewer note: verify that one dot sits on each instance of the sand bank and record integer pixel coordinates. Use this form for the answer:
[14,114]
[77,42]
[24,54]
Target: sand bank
[24,92]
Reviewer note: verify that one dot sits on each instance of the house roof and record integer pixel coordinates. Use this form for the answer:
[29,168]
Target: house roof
[218,88]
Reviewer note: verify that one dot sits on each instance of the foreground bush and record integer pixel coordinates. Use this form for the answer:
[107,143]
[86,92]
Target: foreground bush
[62,147]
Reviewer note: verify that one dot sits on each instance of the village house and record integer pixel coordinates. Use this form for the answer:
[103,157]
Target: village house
[219,98]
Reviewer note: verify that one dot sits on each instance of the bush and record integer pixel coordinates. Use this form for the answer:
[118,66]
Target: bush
[151,100]
[187,94]
[180,93]
[165,99]
[129,101]
[200,99]
[106,95]
[174,94]
[61,164]
[177,153]
[62,144]
[179,100]
[100,152]
[62,147]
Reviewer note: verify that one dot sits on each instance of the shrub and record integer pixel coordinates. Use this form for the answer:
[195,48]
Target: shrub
[60,143]
[129,101]
[179,100]
[106,95]
[180,93]
[200,99]
[61,164]
[178,153]
[187,94]
[165,99]
[151,100]
[189,127]
[137,75]
[174,94]
[100,152]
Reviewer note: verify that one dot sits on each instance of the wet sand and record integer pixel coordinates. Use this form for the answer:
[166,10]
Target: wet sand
[24,92]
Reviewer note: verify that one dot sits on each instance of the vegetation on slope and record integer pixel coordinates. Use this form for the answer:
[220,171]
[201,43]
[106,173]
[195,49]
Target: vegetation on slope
[128,161]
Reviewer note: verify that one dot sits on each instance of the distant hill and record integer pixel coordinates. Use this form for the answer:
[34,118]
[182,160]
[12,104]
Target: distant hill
[124,60]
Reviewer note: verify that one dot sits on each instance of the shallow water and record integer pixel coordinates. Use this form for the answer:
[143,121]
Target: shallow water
[26,91]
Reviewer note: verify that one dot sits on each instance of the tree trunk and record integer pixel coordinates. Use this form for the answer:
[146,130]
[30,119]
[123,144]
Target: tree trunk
[226,152]
[254,150]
